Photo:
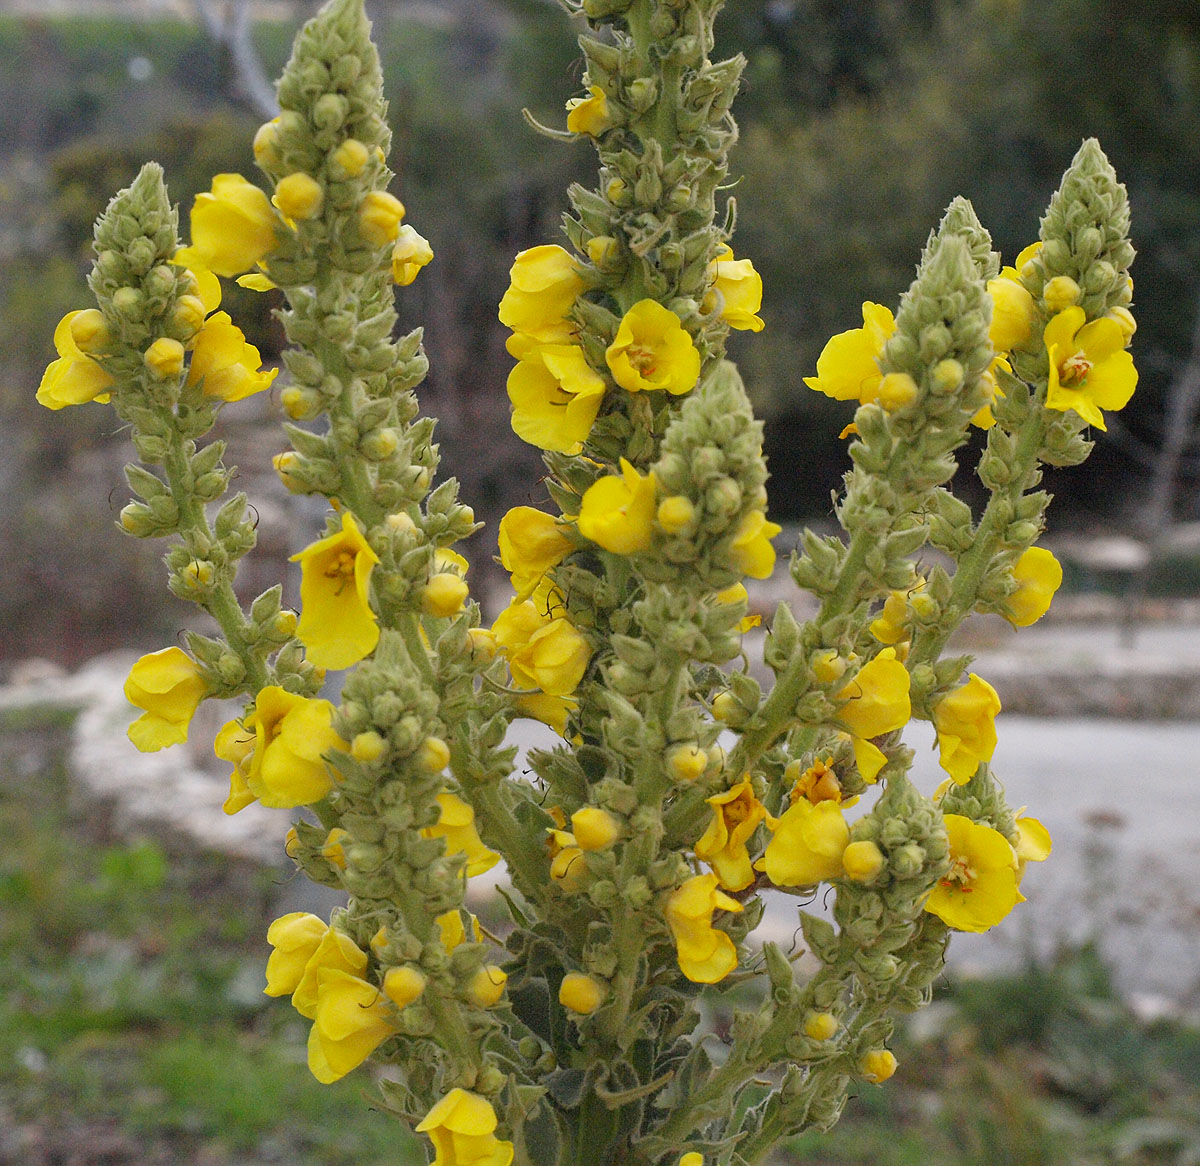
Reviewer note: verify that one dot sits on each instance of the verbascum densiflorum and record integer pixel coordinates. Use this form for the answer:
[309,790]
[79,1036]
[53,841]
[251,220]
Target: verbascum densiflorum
[641,852]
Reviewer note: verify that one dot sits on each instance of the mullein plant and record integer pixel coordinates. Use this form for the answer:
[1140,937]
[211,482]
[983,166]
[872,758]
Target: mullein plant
[682,798]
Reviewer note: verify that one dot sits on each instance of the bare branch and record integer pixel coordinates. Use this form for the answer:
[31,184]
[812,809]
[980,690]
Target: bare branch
[229,24]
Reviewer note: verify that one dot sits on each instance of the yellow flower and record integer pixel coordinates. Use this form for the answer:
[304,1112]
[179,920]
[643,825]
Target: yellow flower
[169,687]
[1089,367]
[750,547]
[1033,843]
[74,378]
[543,652]
[848,367]
[691,1158]
[295,938]
[877,702]
[705,954]
[1013,310]
[291,734]
[653,350]
[590,115]
[555,396]
[581,993]
[806,845]
[224,364]
[235,743]
[531,543]
[740,288]
[456,825]
[980,888]
[411,253]
[335,951]
[1038,575]
[462,1129]
[965,721]
[618,512]
[353,1018]
[337,626]
[818,783]
[891,625]
[736,815]
[299,196]
[544,284]
[379,218]
[233,226]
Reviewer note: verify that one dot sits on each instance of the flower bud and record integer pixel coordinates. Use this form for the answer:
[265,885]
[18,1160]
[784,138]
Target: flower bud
[1060,293]
[581,993]
[128,301]
[403,985]
[897,390]
[90,332]
[299,197]
[351,157]
[828,666]
[947,375]
[594,829]
[266,144]
[862,861]
[444,594]
[433,755]
[686,762]
[164,358]
[300,404]
[603,251]
[1122,315]
[285,623]
[725,707]
[379,218]
[676,513]
[487,986]
[368,747]
[877,1066]
[820,1025]
[189,314]
[379,444]
[483,643]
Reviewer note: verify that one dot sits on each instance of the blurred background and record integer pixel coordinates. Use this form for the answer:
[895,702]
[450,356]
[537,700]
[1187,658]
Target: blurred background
[132,985]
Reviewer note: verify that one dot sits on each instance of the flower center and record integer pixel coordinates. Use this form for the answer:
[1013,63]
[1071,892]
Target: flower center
[340,569]
[643,360]
[818,784]
[1075,369]
[960,876]
[737,811]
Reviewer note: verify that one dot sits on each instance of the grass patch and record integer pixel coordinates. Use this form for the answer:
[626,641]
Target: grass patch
[132,1018]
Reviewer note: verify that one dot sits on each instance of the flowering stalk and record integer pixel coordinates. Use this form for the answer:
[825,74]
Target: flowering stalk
[642,854]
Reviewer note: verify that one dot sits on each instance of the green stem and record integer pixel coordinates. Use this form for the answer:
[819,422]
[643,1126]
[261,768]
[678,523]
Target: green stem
[221,602]
[988,537]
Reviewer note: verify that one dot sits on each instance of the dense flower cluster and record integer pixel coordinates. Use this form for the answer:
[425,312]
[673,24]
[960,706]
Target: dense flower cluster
[641,851]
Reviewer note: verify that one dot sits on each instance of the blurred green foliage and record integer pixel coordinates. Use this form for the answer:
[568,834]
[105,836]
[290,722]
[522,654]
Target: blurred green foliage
[133,1027]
